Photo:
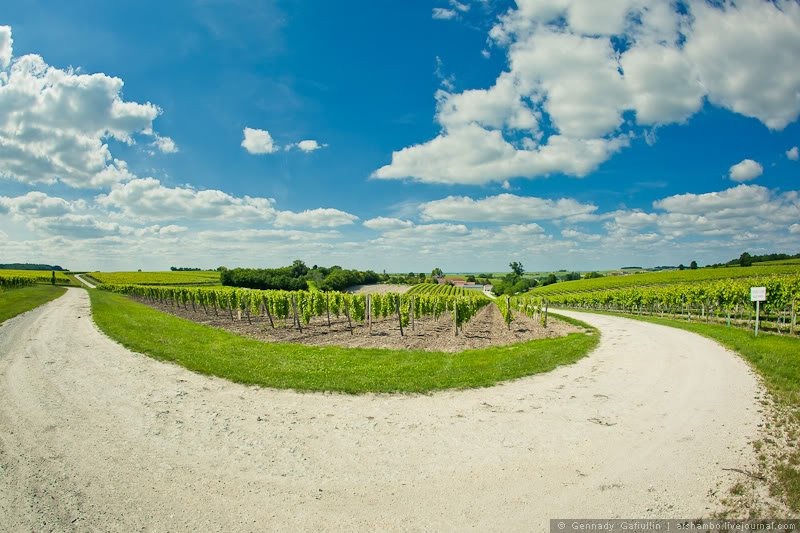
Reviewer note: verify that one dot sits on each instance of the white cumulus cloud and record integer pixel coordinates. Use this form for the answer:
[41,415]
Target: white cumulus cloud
[503,208]
[793,153]
[561,105]
[315,218]
[387,223]
[147,198]
[745,170]
[307,146]
[258,141]
[165,145]
[55,124]
[6,43]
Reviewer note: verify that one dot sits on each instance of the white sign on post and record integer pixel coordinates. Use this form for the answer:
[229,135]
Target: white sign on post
[758,295]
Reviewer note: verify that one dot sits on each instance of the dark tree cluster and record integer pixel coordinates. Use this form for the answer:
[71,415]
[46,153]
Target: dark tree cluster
[297,277]
[30,266]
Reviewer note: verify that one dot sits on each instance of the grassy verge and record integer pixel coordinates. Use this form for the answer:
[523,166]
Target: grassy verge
[16,301]
[310,368]
[776,358]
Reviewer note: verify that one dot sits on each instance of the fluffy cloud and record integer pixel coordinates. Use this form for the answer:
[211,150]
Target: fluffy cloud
[474,155]
[307,146]
[75,226]
[559,107]
[747,57]
[165,145]
[147,198]
[54,124]
[315,218]
[387,223]
[503,208]
[5,46]
[793,153]
[501,106]
[37,204]
[258,141]
[745,170]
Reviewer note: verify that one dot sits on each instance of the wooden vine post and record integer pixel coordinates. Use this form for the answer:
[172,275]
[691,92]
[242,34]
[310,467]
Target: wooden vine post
[399,318]
[328,307]
[369,313]
[265,309]
[411,312]
[455,318]
[793,322]
[296,316]
[347,314]
[545,313]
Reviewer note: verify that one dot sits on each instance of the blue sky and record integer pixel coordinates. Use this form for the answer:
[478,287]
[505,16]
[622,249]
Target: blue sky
[459,134]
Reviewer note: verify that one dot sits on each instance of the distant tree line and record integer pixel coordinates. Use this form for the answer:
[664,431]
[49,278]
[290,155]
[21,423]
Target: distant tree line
[30,266]
[185,269]
[747,260]
[297,276]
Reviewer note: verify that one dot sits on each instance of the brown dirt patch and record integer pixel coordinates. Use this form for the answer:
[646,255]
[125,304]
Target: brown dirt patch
[485,329]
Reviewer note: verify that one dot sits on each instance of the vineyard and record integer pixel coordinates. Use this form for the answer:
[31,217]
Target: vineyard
[726,301]
[440,290]
[37,276]
[180,277]
[458,320]
[14,281]
[667,278]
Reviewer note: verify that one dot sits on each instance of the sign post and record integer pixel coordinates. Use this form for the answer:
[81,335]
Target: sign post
[758,295]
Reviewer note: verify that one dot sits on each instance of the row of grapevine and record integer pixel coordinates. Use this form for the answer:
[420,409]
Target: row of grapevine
[15,282]
[727,300]
[668,277]
[531,306]
[38,276]
[302,306]
[442,289]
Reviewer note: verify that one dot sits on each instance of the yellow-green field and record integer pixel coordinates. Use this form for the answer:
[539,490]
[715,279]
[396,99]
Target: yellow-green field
[668,278]
[158,278]
[39,276]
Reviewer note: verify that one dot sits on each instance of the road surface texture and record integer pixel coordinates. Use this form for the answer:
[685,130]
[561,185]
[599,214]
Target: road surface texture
[95,437]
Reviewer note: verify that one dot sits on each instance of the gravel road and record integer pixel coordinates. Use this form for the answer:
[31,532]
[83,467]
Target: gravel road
[94,437]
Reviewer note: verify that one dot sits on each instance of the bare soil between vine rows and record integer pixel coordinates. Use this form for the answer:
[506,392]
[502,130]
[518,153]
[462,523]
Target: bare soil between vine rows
[486,328]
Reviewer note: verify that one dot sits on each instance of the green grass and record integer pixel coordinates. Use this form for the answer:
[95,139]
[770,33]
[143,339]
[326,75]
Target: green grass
[776,358]
[16,301]
[309,368]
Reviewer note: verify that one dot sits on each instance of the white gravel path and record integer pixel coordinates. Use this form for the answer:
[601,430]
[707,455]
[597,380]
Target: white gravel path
[94,437]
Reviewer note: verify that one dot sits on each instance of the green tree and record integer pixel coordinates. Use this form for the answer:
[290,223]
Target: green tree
[299,268]
[745,260]
[549,280]
[437,272]
[693,265]
[517,268]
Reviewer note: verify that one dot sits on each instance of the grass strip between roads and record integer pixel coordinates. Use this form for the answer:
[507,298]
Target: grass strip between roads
[776,358]
[16,301]
[311,368]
